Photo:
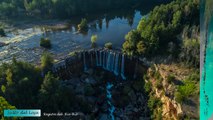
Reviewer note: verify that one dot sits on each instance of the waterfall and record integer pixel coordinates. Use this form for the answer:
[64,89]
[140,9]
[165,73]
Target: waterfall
[111,108]
[108,60]
[116,64]
[97,60]
[112,62]
[85,66]
[104,60]
[101,55]
[123,67]
[91,58]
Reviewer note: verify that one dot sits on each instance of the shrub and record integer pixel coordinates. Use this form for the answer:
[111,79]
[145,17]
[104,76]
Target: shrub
[141,49]
[157,114]
[153,102]
[194,77]
[108,45]
[45,42]
[50,84]
[46,61]
[190,52]
[170,78]
[185,91]
[179,97]
[93,40]
[158,84]
[2,32]
[148,87]
[83,25]
[157,75]
[158,79]
[3,88]
[5,105]
[145,77]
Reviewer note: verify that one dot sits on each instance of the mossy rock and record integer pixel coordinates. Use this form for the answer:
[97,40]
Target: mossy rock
[45,42]
[2,32]
[108,45]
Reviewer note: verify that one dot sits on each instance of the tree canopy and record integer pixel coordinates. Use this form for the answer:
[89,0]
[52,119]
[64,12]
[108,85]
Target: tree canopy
[61,8]
[162,26]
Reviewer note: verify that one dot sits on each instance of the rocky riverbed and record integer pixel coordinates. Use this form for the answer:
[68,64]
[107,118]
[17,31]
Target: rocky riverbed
[126,96]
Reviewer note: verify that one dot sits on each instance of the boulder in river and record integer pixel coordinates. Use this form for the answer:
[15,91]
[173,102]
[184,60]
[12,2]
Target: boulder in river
[2,44]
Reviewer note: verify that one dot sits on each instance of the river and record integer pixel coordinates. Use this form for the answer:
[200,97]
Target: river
[23,40]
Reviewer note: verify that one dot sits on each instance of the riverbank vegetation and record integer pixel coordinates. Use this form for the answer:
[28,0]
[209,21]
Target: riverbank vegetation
[46,61]
[172,87]
[56,8]
[169,29]
[188,88]
[83,26]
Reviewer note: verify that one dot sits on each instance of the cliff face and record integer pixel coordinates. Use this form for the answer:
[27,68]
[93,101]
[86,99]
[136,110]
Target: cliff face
[106,81]
[165,85]
[112,61]
[164,90]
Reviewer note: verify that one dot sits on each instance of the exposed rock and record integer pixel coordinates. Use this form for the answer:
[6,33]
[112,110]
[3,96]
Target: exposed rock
[170,108]
[2,44]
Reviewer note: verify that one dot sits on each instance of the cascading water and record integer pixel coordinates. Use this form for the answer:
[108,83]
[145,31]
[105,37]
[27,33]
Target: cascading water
[116,64]
[85,66]
[111,108]
[97,60]
[108,61]
[105,61]
[101,55]
[91,58]
[112,62]
[122,68]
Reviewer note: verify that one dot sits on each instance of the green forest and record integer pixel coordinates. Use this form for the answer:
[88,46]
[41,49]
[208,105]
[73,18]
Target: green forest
[160,32]
[168,30]
[56,9]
